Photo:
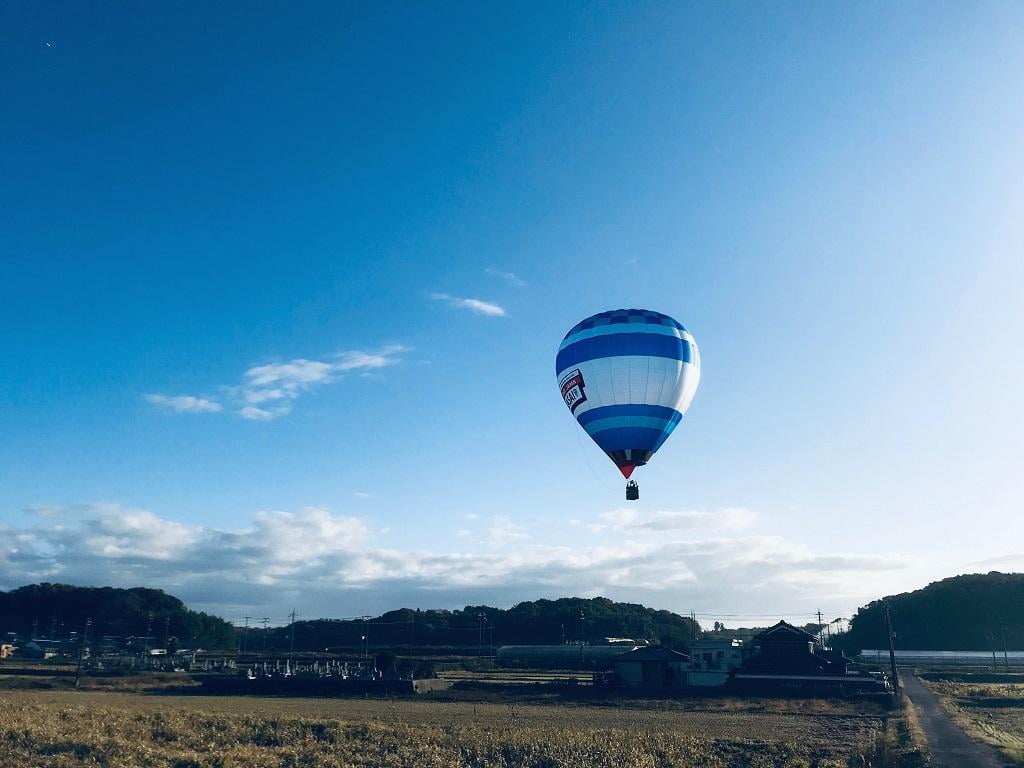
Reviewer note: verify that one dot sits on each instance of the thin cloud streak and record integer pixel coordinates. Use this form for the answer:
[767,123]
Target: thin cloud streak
[511,278]
[183,403]
[477,306]
[269,391]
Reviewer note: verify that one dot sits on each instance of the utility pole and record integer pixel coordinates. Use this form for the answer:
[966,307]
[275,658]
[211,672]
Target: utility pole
[265,619]
[81,651]
[480,628]
[412,629]
[245,635]
[821,631]
[892,651]
[167,631]
[149,628]
[291,640]
[1006,656]
[366,636]
[582,641]
[35,629]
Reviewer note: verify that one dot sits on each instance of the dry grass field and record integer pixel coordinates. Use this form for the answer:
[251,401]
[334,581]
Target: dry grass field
[989,712]
[67,728]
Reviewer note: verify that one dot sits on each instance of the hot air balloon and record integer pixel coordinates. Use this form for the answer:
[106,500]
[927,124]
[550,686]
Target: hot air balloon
[628,376]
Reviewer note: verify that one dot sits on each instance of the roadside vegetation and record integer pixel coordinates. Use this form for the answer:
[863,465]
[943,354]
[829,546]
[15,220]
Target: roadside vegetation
[991,712]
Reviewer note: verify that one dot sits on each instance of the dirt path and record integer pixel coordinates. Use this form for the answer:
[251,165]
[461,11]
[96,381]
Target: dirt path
[950,747]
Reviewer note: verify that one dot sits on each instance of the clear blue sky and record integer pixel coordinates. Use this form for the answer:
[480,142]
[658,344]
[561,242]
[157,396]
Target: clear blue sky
[281,290]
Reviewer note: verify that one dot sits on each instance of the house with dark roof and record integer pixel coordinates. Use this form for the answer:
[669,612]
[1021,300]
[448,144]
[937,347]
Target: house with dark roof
[653,666]
[785,658]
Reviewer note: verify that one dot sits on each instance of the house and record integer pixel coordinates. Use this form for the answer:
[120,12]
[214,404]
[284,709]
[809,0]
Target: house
[6,650]
[785,659]
[652,666]
[712,662]
[789,649]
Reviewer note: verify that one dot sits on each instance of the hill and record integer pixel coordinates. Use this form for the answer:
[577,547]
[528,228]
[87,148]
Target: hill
[972,612]
[56,610]
[527,623]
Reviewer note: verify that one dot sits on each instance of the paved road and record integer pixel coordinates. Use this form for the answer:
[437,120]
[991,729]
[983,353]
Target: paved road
[950,747]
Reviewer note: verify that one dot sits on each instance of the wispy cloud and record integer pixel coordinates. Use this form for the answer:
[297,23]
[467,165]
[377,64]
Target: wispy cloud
[319,560]
[509,277]
[725,518]
[476,306]
[629,519]
[268,391]
[504,531]
[184,403]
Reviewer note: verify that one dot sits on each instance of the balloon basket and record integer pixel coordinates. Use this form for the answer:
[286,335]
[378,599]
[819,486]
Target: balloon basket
[632,491]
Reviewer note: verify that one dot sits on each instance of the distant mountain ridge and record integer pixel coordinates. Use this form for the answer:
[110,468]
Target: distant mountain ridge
[962,613]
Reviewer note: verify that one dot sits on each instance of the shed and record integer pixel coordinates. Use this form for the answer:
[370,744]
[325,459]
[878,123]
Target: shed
[652,667]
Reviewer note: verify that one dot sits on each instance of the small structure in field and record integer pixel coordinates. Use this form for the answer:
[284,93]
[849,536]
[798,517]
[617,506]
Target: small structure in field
[652,667]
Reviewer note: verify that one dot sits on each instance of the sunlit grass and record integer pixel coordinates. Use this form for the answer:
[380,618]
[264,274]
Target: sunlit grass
[64,730]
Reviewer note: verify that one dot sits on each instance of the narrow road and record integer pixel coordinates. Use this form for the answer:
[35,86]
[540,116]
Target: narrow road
[950,747]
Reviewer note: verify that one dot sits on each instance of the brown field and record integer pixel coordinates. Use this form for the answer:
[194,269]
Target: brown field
[990,712]
[117,729]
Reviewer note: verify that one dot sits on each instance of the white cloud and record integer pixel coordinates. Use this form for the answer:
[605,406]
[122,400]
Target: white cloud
[184,403]
[509,277]
[706,521]
[268,391]
[473,305]
[359,360]
[320,561]
[504,531]
[725,518]
[295,373]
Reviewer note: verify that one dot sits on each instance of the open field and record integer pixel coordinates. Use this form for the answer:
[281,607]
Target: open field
[61,728]
[992,712]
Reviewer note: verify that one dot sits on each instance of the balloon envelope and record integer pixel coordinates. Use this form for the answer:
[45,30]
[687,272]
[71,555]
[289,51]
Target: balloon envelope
[628,377]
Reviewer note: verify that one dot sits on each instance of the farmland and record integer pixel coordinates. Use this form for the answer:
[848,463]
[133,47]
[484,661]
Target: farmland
[989,707]
[118,729]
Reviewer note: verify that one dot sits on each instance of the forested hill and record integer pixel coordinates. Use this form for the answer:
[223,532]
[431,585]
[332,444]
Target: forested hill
[56,610]
[528,623]
[961,613]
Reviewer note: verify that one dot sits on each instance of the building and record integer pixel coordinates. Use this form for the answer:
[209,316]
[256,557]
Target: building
[39,649]
[6,650]
[785,659]
[653,666]
[713,661]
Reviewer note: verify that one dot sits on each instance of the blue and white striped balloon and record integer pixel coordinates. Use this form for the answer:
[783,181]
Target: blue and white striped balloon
[628,377]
